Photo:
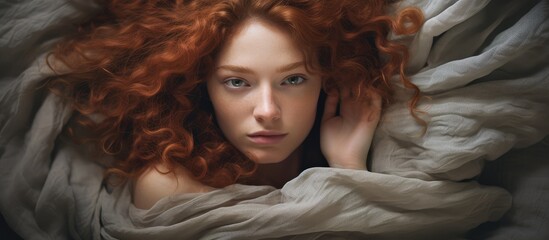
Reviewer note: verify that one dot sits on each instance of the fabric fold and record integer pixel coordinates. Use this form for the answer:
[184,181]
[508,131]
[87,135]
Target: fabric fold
[482,66]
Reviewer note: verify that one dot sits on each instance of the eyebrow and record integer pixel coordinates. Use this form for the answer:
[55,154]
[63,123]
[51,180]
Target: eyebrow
[241,69]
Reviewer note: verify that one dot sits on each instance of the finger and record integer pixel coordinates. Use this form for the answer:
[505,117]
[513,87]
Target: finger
[375,100]
[348,106]
[330,106]
[375,106]
[345,93]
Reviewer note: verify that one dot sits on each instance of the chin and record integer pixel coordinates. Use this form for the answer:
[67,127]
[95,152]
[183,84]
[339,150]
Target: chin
[267,158]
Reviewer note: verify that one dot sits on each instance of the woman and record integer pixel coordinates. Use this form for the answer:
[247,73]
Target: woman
[194,95]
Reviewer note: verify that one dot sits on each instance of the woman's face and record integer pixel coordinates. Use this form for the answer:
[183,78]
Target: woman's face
[264,99]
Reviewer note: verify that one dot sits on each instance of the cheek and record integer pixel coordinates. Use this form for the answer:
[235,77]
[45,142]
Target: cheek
[228,114]
[224,108]
[303,112]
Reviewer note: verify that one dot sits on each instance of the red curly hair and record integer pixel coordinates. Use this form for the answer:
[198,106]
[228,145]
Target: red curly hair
[142,66]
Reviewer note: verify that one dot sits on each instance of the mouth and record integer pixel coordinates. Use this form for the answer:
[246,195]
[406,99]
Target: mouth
[266,137]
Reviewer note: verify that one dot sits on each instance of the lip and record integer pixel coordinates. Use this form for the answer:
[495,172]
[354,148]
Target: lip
[267,137]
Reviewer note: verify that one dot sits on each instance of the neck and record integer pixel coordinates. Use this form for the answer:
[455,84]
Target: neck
[277,174]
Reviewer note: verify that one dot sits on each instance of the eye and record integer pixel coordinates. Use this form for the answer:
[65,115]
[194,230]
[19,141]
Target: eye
[235,83]
[294,80]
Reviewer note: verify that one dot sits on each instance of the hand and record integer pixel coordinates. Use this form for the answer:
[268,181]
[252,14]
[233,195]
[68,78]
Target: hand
[345,139]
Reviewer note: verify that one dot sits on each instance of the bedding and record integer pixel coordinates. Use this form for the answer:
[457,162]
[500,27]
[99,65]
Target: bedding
[482,66]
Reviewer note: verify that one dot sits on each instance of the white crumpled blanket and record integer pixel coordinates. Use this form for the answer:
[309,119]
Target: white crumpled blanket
[483,64]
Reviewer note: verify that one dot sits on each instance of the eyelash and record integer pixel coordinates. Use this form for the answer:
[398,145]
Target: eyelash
[230,82]
[303,79]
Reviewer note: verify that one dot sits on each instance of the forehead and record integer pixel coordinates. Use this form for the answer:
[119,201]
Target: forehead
[258,42]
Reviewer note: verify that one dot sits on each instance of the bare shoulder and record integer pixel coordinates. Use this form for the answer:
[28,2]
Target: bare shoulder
[155,184]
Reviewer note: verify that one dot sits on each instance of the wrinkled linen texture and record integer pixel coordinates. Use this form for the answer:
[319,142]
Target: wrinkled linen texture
[482,66]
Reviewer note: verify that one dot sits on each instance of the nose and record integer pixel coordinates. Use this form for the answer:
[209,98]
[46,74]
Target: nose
[266,108]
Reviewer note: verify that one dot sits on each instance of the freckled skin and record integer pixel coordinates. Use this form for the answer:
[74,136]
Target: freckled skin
[261,97]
